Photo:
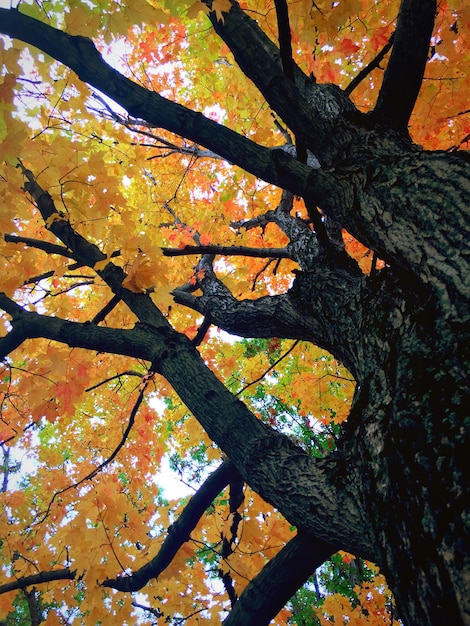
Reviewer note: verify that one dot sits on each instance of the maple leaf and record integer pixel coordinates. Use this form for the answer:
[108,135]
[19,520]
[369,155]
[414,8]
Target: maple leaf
[348,47]
[196,8]
[220,7]
[141,275]
[54,217]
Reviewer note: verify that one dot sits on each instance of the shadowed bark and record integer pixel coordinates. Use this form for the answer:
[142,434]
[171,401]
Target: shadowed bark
[405,70]
[268,592]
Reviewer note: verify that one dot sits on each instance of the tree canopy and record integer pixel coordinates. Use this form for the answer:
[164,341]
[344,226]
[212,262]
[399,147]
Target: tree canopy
[235,246]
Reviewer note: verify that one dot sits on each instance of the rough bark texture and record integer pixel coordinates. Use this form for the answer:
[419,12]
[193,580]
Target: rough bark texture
[396,491]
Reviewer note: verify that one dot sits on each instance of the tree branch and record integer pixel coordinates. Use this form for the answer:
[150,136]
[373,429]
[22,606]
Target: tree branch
[179,532]
[46,246]
[138,342]
[405,69]
[279,579]
[375,63]
[137,125]
[298,314]
[261,253]
[269,369]
[81,56]
[38,579]
[236,498]
[284,38]
[104,463]
[310,110]
[251,446]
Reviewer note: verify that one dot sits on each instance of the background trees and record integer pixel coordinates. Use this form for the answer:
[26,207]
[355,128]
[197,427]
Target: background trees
[294,214]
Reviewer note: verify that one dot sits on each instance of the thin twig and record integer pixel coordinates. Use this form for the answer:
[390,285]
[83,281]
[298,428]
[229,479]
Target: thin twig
[369,67]
[107,380]
[271,367]
[107,461]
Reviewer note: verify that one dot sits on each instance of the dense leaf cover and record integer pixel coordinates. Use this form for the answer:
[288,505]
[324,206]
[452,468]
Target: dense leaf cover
[119,226]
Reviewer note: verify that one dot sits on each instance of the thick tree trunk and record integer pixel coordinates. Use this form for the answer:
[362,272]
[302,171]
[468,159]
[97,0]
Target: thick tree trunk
[402,458]
[405,442]
[409,455]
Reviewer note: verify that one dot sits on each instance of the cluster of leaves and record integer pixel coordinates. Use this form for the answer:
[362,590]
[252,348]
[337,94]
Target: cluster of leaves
[345,589]
[133,190]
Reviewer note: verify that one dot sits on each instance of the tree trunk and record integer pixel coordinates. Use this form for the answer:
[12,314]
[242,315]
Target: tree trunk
[408,456]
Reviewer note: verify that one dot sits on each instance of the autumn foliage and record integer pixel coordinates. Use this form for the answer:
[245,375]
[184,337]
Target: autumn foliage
[94,199]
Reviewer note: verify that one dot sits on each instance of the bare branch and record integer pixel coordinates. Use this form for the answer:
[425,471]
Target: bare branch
[375,63]
[110,378]
[261,253]
[46,246]
[138,125]
[107,461]
[106,310]
[270,368]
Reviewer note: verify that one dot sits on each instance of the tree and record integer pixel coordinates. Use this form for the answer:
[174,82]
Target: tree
[326,204]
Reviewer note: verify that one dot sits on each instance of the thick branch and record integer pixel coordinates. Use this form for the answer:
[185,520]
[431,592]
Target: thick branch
[303,243]
[253,447]
[137,342]
[179,532]
[405,69]
[312,314]
[269,591]
[284,38]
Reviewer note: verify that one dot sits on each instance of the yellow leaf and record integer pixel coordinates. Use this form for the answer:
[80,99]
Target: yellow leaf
[220,7]
[55,217]
[101,264]
[195,8]
[141,275]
